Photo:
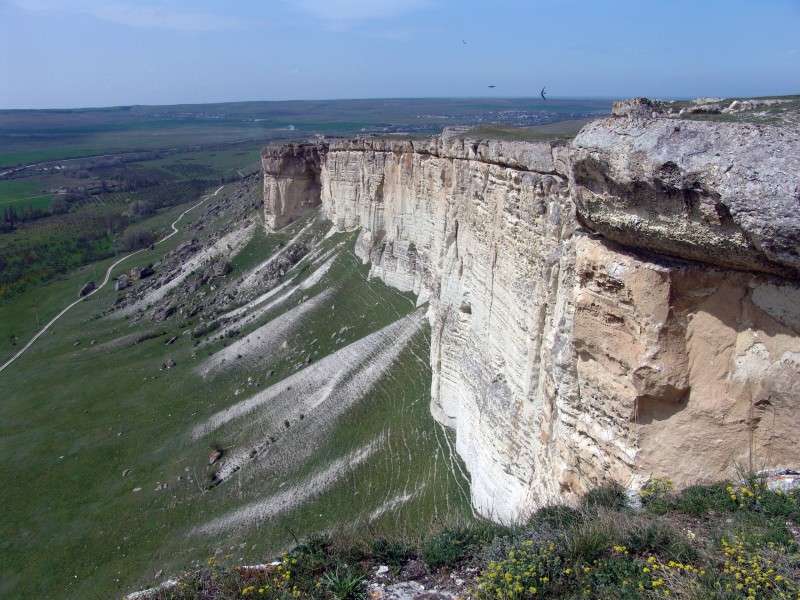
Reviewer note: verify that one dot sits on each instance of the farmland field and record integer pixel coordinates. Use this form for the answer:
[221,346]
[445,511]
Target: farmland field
[22,194]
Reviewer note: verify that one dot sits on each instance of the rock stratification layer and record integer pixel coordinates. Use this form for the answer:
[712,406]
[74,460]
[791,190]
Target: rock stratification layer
[621,307]
[291,181]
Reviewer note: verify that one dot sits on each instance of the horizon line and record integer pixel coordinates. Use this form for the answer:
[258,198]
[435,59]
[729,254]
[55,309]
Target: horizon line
[370,98]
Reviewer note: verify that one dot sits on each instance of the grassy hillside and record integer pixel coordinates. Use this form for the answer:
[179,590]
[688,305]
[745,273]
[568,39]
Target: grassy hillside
[111,484]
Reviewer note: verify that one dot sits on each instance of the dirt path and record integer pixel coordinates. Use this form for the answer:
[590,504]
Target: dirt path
[50,323]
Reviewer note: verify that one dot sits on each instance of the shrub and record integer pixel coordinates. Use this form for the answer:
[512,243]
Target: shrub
[698,500]
[590,539]
[452,545]
[759,530]
[525,572]
[556,516]
[781,504]
[659,537]
[59,206]
[750,574]
[344,583]
[655,495]
[141,208]
[611,496]
[133,239]
[539,571]
[390,552]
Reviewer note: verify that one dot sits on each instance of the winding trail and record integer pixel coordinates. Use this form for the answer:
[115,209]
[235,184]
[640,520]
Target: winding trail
[114,265]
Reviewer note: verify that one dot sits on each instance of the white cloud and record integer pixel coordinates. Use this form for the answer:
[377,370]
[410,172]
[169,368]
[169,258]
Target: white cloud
[349,11]
[158,16]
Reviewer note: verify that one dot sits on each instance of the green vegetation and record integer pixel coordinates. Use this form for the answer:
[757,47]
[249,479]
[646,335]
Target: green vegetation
[453,544]
[594,552]
[96,432]
[28,136]
[37,244]
[562,130]
[40,250]
[22,194]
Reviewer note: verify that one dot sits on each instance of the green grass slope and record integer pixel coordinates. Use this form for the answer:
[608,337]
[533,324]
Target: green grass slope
[106,484]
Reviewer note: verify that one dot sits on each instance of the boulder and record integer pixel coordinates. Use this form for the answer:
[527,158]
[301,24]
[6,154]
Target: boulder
[214,456]
[87,288]
[726,194]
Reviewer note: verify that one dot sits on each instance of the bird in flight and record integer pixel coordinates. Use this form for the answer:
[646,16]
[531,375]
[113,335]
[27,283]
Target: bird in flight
[492,86]
[542,94]
[464,42]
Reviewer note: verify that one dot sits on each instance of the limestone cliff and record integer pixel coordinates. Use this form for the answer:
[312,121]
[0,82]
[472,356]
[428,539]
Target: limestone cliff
[621,307]
[291,182]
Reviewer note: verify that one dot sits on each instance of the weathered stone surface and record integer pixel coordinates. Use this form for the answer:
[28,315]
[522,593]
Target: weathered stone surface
[690,370]
[291,181]
[122,282]
[487,243]
[722,193]
[560,358]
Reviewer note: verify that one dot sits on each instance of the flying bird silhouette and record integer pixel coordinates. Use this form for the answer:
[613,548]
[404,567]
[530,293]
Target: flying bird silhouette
[542,94]
[464,42]
[491,86]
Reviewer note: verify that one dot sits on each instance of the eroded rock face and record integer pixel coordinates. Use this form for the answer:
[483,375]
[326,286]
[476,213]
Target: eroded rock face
[723,193]
[291,181]
[569,345]
[484,233]
[697,367]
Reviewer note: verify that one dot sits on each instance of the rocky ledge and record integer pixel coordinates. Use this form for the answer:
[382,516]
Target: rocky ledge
[623,306]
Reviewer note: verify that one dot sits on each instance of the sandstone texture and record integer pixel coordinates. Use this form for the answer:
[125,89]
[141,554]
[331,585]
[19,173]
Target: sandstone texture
[291,182]
[621,307]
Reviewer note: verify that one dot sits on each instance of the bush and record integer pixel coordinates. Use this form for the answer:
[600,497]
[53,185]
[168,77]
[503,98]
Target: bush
[141,209]
[390,552]
[749,574]
[556,516]
[656,494]
[659,537]
[759,530]
[134,239]
[344,583]
[781,504]
[590,539]
[611,496]
[59,206]
[532,571]
[452,545]
[698,500]
[525,572]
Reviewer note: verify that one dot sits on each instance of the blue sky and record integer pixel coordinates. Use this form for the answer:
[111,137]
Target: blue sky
[66,53]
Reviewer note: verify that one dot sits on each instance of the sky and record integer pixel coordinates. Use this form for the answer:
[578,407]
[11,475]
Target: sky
[77,53]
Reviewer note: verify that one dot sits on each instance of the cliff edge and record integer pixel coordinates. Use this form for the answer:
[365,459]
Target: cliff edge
[623,306]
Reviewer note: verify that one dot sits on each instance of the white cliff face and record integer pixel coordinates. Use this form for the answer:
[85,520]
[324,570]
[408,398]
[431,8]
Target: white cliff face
[560,359]
[291,184]
[490,247]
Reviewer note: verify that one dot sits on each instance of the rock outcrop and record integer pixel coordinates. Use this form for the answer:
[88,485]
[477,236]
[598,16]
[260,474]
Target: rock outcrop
[291,182]
[621,307]
[725,194]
